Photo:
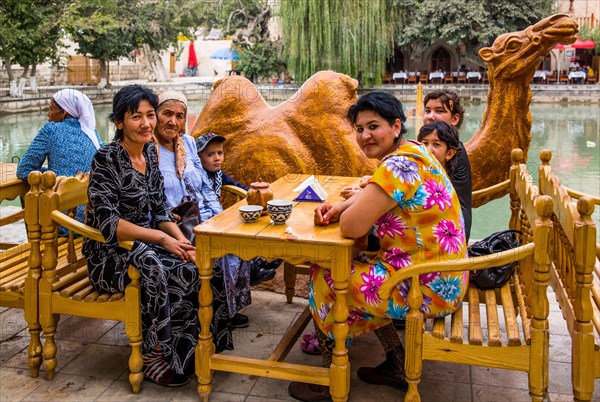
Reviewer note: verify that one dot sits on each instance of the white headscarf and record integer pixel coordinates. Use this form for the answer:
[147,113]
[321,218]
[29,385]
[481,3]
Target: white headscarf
[78,105]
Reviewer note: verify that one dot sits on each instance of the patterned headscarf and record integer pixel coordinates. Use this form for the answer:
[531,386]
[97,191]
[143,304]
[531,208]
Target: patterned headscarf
[178,145]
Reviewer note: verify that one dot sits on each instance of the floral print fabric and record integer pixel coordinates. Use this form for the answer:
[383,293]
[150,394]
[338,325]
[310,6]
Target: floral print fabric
[426,225]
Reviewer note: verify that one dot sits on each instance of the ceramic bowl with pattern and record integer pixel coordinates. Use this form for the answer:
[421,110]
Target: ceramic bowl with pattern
[250,213]
[279,210]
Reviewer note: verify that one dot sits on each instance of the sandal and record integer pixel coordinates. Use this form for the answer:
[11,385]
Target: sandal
[311,347]
[309,337]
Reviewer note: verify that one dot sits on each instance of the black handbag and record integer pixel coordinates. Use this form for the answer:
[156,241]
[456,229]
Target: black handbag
[495,277]
[190,216]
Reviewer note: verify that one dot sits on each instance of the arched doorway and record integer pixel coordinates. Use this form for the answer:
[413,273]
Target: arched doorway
[397,63]
[441,60]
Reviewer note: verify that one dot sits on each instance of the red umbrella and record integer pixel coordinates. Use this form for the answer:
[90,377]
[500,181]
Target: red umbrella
[578,44]
[192,61]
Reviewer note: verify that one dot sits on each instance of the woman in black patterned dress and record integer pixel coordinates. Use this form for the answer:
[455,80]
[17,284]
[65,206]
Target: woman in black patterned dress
[127,202]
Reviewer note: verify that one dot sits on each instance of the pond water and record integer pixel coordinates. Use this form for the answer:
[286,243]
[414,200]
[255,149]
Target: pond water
[571,132]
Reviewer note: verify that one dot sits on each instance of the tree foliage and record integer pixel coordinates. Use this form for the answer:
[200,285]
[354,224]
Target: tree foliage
[474,24]
[30,31]
[158,23]
[101,28]
[354,37]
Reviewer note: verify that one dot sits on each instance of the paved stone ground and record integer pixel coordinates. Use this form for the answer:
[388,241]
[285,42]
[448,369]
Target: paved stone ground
[92,362]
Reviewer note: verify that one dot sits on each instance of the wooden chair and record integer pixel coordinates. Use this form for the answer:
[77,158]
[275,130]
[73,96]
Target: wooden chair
[523,299]
[448,78]
[564,77]
[551,79]
[462,77]
[574,276]
[591,79]
[13,261]
[387,78]
[64,286]
[424,77]
[412,78]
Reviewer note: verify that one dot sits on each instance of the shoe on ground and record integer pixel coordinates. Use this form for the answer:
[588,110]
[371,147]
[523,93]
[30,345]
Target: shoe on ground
[240,321]
[377,376]
[260,275]
[308,392]
[170,379]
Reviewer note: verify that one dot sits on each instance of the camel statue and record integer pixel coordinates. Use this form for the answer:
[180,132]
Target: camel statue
[309,133]
[512,61]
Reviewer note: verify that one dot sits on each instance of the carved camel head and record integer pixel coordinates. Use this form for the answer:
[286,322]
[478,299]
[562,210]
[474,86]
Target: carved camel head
[517,55]
[506,123]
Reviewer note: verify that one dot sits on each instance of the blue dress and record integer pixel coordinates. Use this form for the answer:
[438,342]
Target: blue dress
[67,148]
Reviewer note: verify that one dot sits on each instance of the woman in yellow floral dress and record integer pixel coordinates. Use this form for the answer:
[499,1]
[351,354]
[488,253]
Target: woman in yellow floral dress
[410,205]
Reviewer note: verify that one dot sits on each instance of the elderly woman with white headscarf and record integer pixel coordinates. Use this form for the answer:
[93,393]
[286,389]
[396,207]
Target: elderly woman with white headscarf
[68,141]
[183,175]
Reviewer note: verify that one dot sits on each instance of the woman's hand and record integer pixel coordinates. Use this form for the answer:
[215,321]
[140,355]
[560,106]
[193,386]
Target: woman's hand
[326,214]
[349,191]
[181,248]
[364,181]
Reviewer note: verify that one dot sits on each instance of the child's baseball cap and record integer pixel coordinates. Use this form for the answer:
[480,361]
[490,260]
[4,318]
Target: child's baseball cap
[204,139]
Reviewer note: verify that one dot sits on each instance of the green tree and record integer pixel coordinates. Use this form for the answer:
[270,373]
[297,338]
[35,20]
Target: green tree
[29,35]
[474,24]
[102,28]
[354,37]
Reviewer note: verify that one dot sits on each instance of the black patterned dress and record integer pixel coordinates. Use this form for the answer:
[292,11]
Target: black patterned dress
[169,286]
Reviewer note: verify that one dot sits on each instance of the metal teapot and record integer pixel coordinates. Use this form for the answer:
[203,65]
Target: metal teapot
[258,194]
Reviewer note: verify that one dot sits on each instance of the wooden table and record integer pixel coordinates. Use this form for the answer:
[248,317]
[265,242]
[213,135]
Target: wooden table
[10,186]
[227,233]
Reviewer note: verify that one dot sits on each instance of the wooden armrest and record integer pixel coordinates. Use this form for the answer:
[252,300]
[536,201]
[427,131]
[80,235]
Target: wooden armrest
[485,192]
[84,230]
[463,264]
[235,190]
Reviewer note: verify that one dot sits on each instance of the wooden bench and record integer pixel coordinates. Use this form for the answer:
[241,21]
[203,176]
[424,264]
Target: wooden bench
[519,308]
[58,280]
[574,276]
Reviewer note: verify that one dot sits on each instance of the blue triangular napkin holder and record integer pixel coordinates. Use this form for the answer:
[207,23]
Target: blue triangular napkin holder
[308,194]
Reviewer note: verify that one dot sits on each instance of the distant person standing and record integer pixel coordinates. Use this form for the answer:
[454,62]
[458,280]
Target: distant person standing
[68,141]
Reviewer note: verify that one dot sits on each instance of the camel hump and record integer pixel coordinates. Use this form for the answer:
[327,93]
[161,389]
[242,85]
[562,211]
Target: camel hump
[327,91]
[233,96]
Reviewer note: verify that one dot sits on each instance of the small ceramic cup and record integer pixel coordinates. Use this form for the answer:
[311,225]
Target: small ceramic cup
[279,210]
[250,213]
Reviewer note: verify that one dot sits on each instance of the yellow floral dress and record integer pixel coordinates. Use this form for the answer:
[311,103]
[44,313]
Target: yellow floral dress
[426,225]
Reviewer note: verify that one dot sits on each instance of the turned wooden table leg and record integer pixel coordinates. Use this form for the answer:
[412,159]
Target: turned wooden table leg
[205,347]
[339,374]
